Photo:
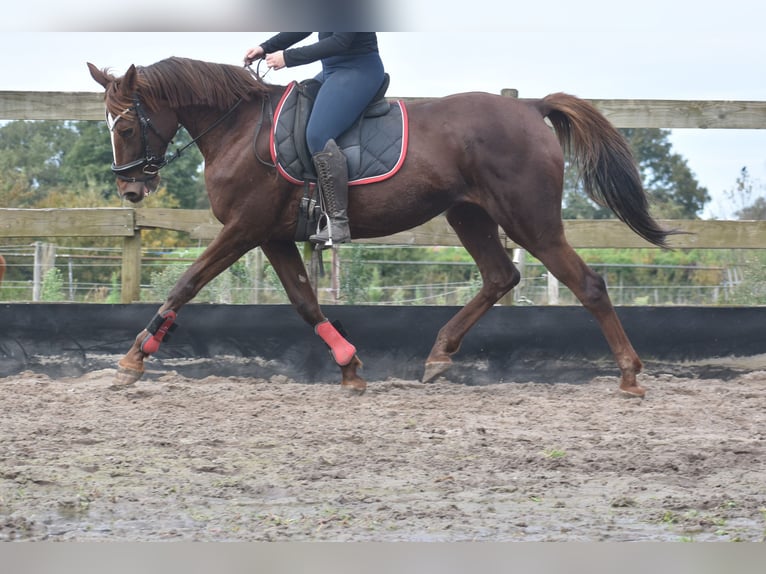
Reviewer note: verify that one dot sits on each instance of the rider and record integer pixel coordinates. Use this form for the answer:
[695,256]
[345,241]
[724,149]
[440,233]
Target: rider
[352,72]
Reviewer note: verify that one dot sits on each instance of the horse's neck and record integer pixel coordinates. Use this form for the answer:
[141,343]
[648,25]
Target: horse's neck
[244,120]
[196,120]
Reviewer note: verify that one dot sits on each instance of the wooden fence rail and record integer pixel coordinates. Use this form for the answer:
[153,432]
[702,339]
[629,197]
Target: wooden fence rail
[625,113]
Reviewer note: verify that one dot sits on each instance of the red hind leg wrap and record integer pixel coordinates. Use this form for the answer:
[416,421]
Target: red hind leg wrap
[342,350]
[158,329]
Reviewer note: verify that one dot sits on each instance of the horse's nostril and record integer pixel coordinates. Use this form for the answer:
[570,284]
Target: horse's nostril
[133,197]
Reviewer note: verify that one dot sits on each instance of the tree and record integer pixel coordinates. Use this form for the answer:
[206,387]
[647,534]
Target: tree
[741,196]
[31,154]
[673,190]
[87,161]
[756,211]
[40,158]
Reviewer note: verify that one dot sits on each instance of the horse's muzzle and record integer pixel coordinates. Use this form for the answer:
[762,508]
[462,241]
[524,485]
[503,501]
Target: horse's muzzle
[134,196]
[136,191]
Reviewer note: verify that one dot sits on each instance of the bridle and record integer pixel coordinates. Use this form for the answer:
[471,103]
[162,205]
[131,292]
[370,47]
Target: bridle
[151,163]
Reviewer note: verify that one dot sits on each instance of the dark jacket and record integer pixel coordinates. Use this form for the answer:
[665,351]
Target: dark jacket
[330,44]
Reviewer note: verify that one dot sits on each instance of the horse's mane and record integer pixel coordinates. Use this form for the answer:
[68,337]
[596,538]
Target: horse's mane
[179,82]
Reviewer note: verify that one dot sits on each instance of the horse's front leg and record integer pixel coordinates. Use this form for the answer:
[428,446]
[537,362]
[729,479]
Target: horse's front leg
[288,264]
[222,252]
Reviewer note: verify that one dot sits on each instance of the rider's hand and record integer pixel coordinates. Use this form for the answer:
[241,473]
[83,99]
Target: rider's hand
[276,60]
[253,54]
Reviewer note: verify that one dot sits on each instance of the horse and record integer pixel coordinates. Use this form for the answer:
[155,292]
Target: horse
[487,162]
[2,268]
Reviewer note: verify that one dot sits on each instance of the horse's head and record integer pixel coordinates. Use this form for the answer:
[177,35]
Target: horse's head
[140,131]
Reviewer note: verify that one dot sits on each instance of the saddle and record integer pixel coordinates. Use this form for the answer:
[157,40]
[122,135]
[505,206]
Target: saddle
[375,145]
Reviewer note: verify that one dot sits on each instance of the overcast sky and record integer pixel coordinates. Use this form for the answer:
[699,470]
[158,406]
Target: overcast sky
[591,48]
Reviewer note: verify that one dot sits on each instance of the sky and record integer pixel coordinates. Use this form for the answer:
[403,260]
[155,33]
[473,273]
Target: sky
[591,48]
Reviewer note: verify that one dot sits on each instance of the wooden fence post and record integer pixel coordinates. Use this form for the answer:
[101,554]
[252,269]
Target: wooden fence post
[335,275]
[517,255]
[254,262]
[553,289]
[131,268]
[45,260]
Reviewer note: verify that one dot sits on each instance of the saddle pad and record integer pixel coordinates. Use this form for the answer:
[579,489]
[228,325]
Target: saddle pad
[375,147]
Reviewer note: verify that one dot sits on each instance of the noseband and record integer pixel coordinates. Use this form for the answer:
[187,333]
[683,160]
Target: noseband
[151,164]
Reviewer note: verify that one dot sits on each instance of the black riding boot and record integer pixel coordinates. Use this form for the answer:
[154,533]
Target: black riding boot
[332,173]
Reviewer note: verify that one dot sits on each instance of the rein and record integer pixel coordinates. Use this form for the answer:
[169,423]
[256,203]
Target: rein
[210,128]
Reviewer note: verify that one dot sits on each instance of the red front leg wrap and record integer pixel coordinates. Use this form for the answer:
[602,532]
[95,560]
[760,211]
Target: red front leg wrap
[158,330]
[342,350]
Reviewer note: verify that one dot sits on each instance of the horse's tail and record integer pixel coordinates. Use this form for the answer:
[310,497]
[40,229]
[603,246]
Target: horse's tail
[607,167]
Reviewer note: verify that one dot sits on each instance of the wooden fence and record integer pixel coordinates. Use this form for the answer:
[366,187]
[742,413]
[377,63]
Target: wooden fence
[129,222]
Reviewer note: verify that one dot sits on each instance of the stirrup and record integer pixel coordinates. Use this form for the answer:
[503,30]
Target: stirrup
[323,239]
[320,243]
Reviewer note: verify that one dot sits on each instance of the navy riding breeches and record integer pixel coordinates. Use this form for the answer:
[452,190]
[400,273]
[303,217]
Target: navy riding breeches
[348,86]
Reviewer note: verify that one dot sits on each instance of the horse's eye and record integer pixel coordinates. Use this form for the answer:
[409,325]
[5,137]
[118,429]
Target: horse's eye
[126,133]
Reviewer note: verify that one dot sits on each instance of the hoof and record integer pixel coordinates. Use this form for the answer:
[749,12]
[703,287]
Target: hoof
[126,377]
[355,387]
[634,391]
[433,370]
[350,381]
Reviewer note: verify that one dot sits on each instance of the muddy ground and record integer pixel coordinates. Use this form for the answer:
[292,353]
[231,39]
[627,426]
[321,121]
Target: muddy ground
[225,458]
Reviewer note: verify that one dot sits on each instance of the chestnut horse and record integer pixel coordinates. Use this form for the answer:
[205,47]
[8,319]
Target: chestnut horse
[484,160]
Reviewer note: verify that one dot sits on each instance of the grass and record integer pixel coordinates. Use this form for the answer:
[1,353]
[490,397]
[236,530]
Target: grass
[554,453]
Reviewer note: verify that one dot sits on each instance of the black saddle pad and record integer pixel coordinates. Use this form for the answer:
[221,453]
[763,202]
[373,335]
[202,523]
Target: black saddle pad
[375,147]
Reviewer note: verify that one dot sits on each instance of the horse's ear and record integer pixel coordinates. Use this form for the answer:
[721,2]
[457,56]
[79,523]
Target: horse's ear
[128,83]
[99,75]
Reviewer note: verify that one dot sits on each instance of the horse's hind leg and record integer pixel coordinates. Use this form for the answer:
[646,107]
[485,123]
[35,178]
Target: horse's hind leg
[479,234]
[561,260]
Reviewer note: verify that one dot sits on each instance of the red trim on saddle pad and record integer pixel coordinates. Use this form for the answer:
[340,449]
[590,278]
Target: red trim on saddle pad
[272,140]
